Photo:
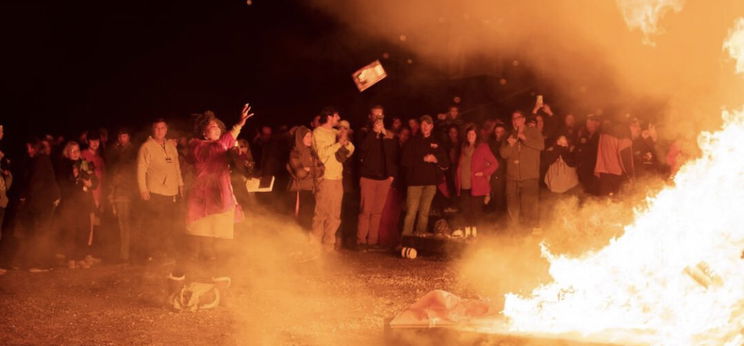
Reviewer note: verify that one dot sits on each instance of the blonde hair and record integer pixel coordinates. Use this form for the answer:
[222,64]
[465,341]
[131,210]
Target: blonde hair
[68,148]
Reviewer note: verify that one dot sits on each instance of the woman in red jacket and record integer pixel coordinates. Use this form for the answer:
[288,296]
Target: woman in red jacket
[474,169]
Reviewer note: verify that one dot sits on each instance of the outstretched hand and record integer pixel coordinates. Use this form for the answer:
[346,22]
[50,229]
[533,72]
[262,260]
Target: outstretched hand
[245,114]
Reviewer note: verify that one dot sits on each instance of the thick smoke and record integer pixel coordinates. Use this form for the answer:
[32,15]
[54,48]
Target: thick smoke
[663,61]
[657,60]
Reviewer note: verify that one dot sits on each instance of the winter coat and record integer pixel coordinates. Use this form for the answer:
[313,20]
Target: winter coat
[122,172]
[301,157]
[417,171]
[377,155]
[211,192]
[326,145]
[552,153]
[523,158]
[483,161]
[41,189]
[614,156]
[74,193]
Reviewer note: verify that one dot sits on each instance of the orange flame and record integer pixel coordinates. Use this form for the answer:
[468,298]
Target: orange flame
[676,275]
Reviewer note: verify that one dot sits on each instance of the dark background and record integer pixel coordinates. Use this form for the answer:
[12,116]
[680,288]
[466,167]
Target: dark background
[77,65]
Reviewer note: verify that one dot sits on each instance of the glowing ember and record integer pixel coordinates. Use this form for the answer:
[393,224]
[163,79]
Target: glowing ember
[676,276]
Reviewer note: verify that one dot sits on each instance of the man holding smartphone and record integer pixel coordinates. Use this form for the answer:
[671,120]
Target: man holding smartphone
[521,151]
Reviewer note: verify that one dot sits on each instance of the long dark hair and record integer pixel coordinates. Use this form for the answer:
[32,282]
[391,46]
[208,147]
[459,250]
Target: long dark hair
[465,142]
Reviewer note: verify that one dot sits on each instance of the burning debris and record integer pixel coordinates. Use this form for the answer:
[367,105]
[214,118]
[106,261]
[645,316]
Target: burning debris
[704,275]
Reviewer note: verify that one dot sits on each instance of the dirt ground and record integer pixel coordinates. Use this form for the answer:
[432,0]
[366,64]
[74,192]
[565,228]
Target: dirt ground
[114,304]
[279,297]
[285,291]
[342,298]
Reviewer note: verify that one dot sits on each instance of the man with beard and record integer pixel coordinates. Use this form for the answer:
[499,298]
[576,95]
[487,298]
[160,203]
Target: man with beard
[328,143]
[521,151]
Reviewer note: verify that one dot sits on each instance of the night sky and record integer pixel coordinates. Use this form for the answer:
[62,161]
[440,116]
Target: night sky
[77,65]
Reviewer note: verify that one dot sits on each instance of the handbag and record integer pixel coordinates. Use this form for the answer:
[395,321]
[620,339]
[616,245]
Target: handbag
[561,177]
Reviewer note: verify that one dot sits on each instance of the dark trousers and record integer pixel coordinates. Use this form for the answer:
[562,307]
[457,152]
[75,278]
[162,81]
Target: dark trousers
[588,180]
[204,258]
[35,244]
[304,206]
[75,231]
[522,198]
[498,195]
[159,233]
[350,205]
[471,209]
[124,219]
[609,184]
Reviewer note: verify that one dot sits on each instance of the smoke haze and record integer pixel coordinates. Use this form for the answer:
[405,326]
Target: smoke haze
[659,61]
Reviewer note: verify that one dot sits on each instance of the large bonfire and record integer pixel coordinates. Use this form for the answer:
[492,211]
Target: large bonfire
[676,275]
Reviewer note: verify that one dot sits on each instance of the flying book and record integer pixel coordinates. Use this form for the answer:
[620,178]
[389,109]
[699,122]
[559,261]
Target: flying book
[368,75]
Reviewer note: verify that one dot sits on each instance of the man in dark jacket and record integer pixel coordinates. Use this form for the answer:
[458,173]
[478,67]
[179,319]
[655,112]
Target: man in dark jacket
[424,159]
[498,178]
[587,144]
[378,168]
[122,160]
[521,151]
[39,196]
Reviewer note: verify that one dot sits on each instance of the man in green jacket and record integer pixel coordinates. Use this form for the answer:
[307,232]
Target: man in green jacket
[521,151]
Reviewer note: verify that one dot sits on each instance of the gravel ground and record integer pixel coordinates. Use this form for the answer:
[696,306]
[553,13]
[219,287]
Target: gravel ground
[284,292]
[342,298]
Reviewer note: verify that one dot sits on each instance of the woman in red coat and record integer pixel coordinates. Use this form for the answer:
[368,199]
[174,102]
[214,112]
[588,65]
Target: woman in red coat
[474,170]
[212,208]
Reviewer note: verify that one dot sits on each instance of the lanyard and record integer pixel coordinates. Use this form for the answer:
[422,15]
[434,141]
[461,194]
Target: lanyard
[168,159]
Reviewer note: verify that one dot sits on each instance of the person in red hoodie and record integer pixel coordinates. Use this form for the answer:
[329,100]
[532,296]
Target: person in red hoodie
[474,169]
[614,159]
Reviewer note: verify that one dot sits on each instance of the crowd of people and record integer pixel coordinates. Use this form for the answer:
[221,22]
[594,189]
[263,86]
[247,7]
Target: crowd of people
[362,189]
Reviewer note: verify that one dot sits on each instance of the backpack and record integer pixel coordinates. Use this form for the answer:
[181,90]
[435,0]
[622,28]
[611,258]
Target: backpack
[561,177]
[195,296]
